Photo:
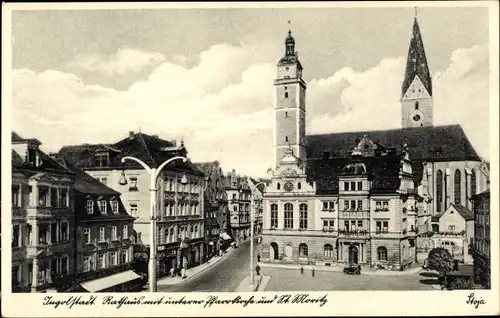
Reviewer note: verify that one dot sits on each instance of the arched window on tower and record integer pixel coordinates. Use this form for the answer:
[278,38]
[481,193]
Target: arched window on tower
[416,105]
[288,216]
[458,186]
[303,216]
[473,182]
[286,138]
[439,190]
[286,94]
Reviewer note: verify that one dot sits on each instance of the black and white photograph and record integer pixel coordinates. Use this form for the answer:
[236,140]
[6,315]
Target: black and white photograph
[274,149]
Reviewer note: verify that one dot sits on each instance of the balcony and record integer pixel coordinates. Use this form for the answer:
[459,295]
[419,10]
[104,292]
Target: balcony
[354,214]
[354,233]
[299,232]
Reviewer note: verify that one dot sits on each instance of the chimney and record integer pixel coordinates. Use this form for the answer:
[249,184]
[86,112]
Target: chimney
[174,142]
[53,155]
[131,135]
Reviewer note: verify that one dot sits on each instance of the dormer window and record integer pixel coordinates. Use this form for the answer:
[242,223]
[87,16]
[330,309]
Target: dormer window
[103,206]
[114,206]
[90,207]
[101,159]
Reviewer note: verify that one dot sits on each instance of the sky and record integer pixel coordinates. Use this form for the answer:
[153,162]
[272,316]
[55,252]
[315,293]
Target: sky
[206,75]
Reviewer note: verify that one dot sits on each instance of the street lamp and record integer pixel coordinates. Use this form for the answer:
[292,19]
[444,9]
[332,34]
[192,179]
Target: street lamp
[153,176]
[252,221]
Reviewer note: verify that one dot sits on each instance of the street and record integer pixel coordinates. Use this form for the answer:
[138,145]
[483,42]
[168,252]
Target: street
[224,276]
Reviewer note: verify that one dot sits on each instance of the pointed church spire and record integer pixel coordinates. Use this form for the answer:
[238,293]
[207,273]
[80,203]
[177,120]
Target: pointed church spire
[416,64]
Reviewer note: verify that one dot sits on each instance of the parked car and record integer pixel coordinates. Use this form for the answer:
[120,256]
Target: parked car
[352,269]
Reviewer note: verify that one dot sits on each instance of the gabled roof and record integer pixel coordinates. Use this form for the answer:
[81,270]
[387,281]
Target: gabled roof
[434,143]
[416,64]
[149,149]
[86,184]
[465,212]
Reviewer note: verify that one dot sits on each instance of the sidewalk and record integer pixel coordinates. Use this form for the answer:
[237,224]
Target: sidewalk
[260,284]
[339,268]
[192,272]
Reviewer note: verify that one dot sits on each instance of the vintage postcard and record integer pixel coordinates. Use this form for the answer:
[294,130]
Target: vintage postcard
[253,159]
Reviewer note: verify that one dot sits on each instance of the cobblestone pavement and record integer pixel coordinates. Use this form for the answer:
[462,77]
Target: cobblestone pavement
[292,280]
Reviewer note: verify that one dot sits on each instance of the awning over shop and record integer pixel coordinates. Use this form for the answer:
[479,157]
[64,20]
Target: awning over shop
[109,281]
[225,236]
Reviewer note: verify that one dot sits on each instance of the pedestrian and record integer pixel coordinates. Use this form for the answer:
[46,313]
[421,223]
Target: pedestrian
[172,270]
[258,257]
[301,269]
[313,270]
[183,273]
[257,269]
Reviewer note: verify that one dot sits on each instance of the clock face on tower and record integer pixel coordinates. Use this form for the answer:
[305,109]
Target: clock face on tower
[288,186]
[416,118]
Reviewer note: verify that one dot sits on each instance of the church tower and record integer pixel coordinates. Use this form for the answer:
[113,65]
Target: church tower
[290,105]
[416,100]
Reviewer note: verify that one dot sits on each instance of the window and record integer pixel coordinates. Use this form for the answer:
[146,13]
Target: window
[15,196]
[303,216]
[114,258]
[64,265]
[278,186]
[416,105]
[346,186]
[63,234]
[346,205]
[382,253]
[103,180]
[346,225]
[124,257]
[53,232]
[63,197]
[86,235]
[439,190]
[274,215]
[101,261]
[299,185]
[328,251]
[53,197]
[385,206]
[114,206]
[360,204]
[16,236]
[15,275]
[133,209]
[303,251]
[382,226]
[102,234]
[102,206]
[353,226]
[378,206]
[325,225]
[458,186]
[286,114]
[286,94]
[353,186]
[353,205]
[325,205]
[360,225]
[332,206]
[114,233]
[473,182]
[451,227]
[360,185]
[42,196]
[101,159]
[288,216]
[133,184]
[286,138]
[86,264]
[90,207]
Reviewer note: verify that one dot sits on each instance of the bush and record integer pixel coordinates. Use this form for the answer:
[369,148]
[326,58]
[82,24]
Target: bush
[440,259]
[461,283]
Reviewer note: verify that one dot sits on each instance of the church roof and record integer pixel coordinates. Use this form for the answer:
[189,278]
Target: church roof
[383,171]
[433,143]
[416,64]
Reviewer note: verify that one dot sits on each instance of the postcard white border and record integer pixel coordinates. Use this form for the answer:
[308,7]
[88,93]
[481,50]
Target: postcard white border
[381,303]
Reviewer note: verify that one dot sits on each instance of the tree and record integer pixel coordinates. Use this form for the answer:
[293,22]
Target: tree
[461,283]
[440,259]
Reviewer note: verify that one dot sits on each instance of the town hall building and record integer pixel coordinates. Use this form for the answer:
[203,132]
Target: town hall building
[363,197]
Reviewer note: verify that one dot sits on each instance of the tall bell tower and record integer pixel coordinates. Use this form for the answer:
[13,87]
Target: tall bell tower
[290,105]
[416,100]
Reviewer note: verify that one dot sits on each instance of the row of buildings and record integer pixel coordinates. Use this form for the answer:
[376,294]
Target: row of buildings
[80,217]
[373,198]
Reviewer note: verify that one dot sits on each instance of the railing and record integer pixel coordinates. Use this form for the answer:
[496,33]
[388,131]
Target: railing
[356,233]
[355,214]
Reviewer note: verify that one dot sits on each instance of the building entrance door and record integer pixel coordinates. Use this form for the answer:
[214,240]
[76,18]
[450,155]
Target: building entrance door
[353,255]
[274,251]
[288,252]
